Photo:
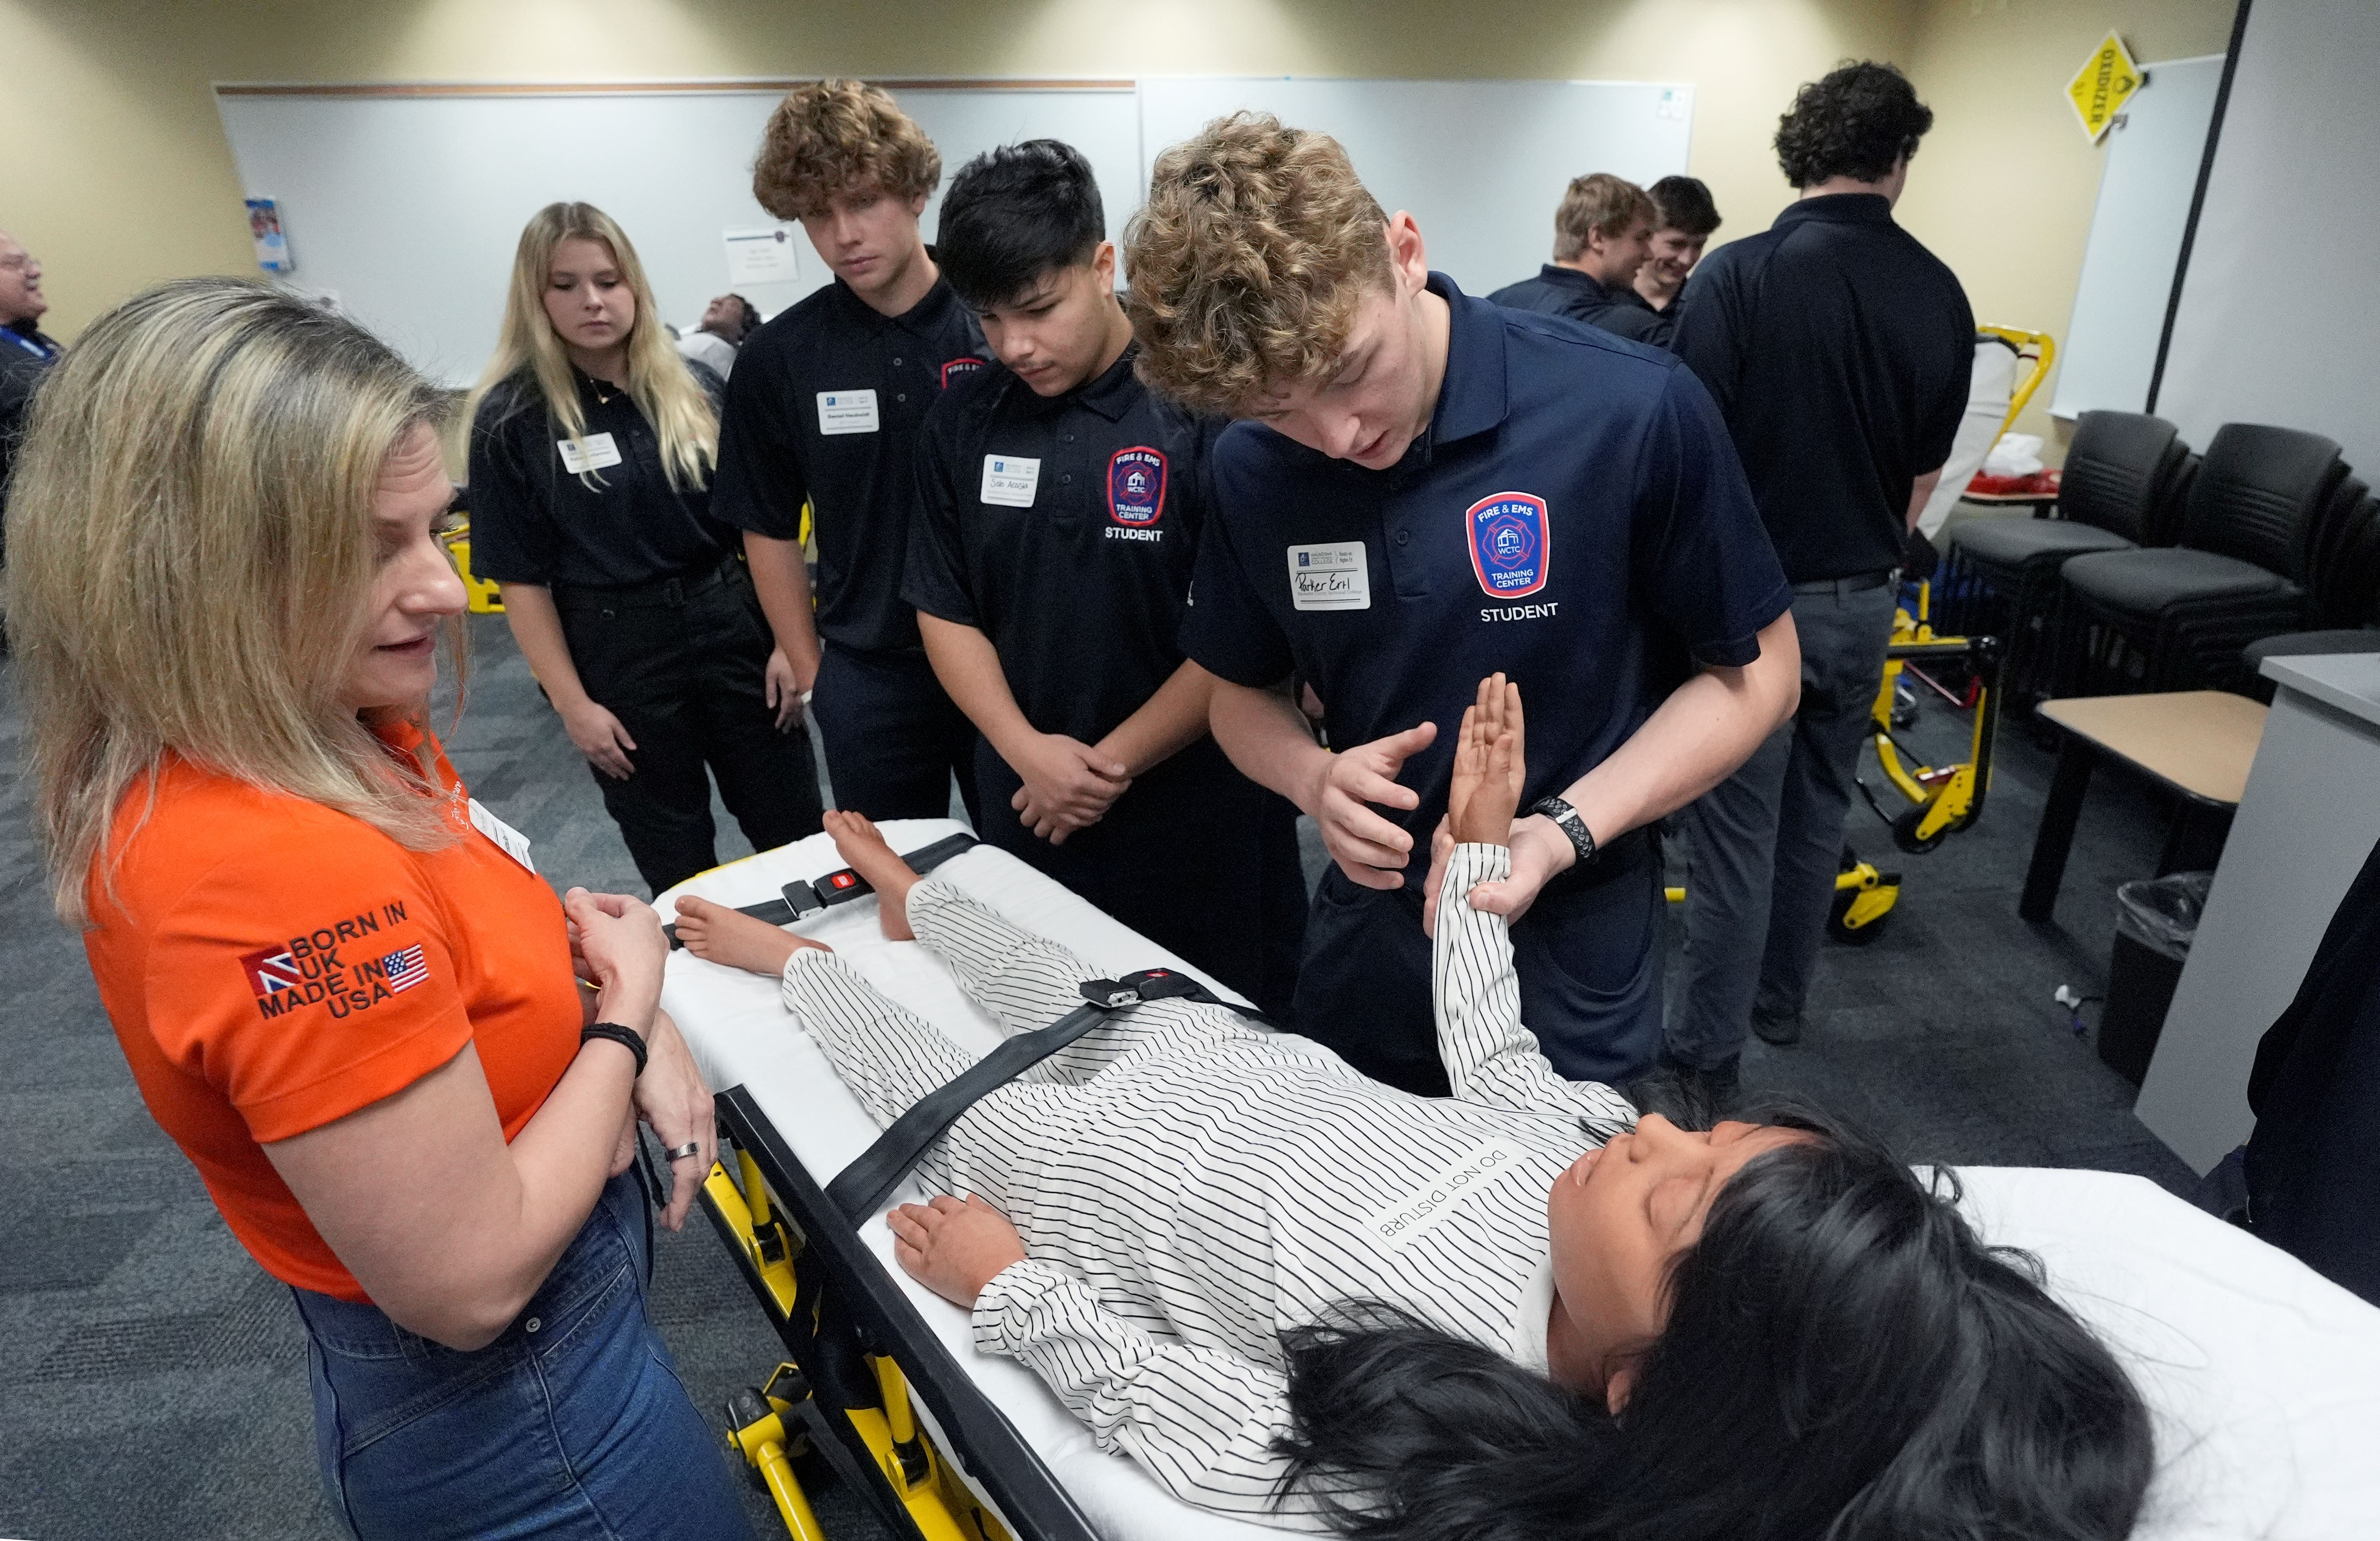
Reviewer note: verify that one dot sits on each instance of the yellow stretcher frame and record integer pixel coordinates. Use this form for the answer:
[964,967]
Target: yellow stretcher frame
[1943,800]
[861,1357]
[2041,346]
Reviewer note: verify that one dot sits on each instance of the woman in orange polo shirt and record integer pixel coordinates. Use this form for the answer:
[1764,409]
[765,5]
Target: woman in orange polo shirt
[340,984]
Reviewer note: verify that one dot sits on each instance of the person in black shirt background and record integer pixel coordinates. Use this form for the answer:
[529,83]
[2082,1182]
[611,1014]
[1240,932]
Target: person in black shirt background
[26,354]
[1602,232]
[591,440]
[1061,507]
[1839,350]
[824,407]
[1683,221]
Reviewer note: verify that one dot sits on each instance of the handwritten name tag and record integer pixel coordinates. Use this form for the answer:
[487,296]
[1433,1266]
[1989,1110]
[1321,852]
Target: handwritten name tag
[1330,577]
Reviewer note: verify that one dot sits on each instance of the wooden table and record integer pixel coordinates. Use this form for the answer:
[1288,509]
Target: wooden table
[2196,743]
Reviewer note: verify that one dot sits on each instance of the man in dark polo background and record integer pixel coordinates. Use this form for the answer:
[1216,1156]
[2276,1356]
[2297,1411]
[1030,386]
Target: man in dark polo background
[26,354]
[1602,234]
[1838,350]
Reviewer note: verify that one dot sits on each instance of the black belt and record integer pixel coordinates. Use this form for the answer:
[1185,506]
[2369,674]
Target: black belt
[861,1187]
[1857,582]
[655,593]
[802,900]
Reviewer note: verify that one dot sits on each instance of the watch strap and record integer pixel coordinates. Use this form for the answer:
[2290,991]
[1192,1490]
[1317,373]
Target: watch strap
[626,1037]
[1566,819]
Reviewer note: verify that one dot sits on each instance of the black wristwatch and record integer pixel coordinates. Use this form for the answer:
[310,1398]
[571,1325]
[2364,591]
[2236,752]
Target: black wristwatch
[1566,819]
[626,1037]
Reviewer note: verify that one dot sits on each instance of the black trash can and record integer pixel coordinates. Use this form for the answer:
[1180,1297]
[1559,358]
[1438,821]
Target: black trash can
[2155,919]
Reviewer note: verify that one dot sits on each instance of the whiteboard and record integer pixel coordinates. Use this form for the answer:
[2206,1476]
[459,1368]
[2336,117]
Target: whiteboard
[2145,185]
[2279,320]
[1480,164]
[409,207]
[407,202]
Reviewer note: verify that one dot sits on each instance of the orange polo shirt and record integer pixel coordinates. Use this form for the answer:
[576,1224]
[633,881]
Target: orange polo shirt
[271,965]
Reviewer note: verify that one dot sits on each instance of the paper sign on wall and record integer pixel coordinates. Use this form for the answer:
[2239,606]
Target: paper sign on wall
[2106,83]
[761,254]
[265,229]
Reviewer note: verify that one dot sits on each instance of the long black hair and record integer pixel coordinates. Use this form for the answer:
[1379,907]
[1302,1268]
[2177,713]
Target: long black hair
[1844,1359]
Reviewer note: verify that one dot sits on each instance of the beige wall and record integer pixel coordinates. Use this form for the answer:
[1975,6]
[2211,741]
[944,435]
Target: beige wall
[2003,187]
[117,174]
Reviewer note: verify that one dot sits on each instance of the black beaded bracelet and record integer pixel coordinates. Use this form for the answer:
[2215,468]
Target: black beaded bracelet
[627,1037]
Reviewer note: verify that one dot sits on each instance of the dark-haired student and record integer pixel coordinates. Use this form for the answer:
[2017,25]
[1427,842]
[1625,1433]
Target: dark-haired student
[1602,233]
[1061,506]
[1838,350]
[1684,219]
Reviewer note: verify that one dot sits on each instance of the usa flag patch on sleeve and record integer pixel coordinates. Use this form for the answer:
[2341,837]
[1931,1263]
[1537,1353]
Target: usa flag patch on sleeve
[404,968]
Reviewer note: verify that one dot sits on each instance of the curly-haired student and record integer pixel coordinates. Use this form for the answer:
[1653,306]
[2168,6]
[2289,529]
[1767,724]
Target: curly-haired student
[1423,488]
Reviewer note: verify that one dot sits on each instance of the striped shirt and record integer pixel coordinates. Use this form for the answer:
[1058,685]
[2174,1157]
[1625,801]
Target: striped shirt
[1187,1185]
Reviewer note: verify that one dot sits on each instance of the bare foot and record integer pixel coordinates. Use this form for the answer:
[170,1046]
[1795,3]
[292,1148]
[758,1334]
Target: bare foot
[740,941]
[865,850]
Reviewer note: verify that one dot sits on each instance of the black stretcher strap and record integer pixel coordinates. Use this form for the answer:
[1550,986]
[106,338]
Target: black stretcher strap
[861,1188]
[801,900]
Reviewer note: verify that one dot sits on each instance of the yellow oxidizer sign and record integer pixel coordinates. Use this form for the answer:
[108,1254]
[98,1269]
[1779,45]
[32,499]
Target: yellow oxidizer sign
[2106,83]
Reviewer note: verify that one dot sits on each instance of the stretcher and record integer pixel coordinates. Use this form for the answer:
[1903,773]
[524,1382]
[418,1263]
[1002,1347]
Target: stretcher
[2264,1377]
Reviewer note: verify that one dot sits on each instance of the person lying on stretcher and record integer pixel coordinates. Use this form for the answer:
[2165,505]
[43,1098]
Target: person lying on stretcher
[1300,1296]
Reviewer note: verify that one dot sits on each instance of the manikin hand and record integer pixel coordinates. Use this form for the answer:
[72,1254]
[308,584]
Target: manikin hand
[1068,785]
[1485,789]
[953,1247]
[1489,770]
[1369,849]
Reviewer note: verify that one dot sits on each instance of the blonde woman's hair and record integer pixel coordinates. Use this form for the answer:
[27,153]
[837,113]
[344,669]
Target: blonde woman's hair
[1249,261]
[191,554]
[1599,204]
[659,382]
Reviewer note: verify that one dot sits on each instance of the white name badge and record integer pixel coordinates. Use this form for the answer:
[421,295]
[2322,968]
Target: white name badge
[1417,1214]
[511,841]
[847,413]
[1330,577]
[1009,480]
[591,453]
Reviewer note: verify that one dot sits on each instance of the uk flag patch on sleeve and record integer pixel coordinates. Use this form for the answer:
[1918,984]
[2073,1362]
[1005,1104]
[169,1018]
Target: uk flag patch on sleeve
[1511,544]
[1137,486]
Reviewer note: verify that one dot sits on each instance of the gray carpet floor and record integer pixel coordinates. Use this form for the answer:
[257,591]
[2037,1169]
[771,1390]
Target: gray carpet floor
[153,1381]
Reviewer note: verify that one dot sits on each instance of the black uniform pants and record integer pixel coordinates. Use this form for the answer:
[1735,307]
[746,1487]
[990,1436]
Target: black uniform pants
[1193,856]
[893,737]
[682,665]
[1589,953]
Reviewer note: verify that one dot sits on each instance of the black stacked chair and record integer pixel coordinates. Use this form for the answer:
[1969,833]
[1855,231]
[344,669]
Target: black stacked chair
[2343,584]
[2122,487]
[2178,619]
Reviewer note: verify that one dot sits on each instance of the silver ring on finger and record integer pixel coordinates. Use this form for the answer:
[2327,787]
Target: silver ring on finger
[679,1153]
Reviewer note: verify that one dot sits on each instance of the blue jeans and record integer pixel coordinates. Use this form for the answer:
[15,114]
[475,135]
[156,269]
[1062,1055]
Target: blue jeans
[572,1424]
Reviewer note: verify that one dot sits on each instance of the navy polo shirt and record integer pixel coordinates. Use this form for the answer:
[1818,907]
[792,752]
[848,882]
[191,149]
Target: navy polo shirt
[1065,529]
[824,407]
[621,522]
[1565,291]
[1574,517]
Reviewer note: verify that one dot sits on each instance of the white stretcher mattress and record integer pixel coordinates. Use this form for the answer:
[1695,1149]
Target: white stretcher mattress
[2263,1376]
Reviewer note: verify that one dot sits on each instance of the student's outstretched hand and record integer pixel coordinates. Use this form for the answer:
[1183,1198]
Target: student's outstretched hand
[953,1247]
